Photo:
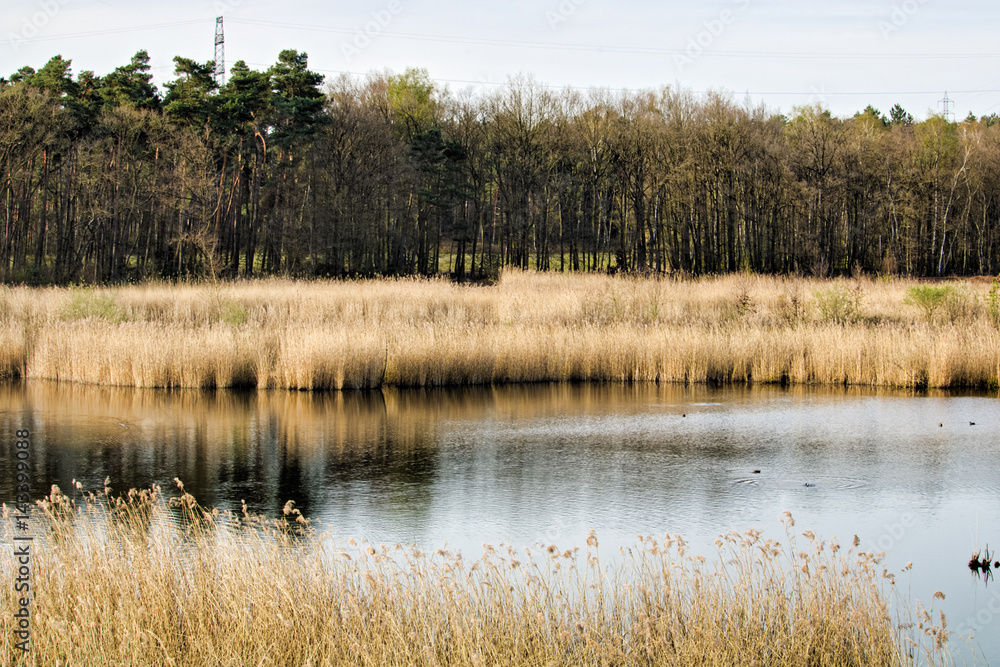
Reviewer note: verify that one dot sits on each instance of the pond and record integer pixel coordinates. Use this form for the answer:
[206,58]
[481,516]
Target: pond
[913,475]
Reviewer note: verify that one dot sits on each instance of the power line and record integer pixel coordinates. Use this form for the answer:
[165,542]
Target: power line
[597,48]
[481,82]
[108,31]
[594,48]
[220,55]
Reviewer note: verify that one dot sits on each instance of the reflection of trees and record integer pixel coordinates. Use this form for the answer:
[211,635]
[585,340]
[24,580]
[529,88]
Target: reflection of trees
[269,447]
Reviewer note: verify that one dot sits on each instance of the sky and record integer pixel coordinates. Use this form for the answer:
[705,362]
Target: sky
[842,55]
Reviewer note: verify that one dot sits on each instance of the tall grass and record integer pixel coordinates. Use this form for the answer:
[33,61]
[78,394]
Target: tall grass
[530,327]
[133,581]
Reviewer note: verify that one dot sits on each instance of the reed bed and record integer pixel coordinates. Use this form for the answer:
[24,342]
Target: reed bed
[530,327]
[134,580]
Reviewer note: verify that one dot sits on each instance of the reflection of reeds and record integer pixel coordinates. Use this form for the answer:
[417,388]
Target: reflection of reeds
[133,581]
[530,328]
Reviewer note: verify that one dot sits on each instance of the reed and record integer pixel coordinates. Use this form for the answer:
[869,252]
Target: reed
[531,327]
[135,580]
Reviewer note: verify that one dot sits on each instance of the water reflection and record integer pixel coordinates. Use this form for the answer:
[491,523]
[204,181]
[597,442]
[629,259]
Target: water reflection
[548,463]
[269,447]
[226,446]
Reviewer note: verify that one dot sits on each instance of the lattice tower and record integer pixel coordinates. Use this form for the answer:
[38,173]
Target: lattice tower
[220,54]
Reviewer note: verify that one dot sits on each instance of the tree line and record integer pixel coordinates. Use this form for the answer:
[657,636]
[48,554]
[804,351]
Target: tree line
[108,179]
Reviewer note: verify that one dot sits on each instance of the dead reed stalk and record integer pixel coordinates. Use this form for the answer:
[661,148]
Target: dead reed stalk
[136,580]
[531,327]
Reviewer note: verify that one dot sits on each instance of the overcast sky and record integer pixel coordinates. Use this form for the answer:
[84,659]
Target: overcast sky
[844,55]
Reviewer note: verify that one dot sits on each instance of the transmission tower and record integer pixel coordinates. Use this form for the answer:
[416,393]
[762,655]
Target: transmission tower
[946,107]
[220,54]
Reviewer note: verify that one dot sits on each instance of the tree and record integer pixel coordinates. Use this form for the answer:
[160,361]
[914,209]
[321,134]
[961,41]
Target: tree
[817,139]
[100,181]
[443,187]
[29,126]
[131,85]
[899,116]
[55,78]
[297,115]
[518,122]
[296,99]
[411,99]
[188,99]
[874,114]
[243,111]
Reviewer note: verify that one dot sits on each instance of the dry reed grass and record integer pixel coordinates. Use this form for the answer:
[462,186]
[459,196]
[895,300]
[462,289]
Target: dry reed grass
[133,581]
[531,327]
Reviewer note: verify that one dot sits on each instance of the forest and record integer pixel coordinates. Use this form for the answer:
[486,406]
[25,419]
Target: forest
[107,179]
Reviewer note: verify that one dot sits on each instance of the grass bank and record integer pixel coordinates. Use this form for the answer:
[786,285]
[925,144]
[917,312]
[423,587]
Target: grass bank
[530,327]
[133,581]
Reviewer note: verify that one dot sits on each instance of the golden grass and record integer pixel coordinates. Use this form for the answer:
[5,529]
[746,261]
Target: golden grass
[531,327]
[131,581]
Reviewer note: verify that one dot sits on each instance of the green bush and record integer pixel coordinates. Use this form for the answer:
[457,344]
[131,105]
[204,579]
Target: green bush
[961,305]
[839,304]
[993,302]
[929,298]
[6,308]
[233,313]
[89,304]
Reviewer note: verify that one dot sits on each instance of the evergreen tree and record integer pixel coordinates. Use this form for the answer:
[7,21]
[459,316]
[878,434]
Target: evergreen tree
[297,100]
[131,85]
[189,97]
[899,116]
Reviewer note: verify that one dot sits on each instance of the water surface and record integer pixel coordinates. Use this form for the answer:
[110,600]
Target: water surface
[908,473]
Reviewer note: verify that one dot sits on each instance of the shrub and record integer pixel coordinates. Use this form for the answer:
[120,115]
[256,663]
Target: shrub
[993,302]
[90,304]
[234,314]
[928,298]
[961,306]
[839,304]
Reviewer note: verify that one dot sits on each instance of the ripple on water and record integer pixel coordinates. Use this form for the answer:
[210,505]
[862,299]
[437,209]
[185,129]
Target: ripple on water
[786,484]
